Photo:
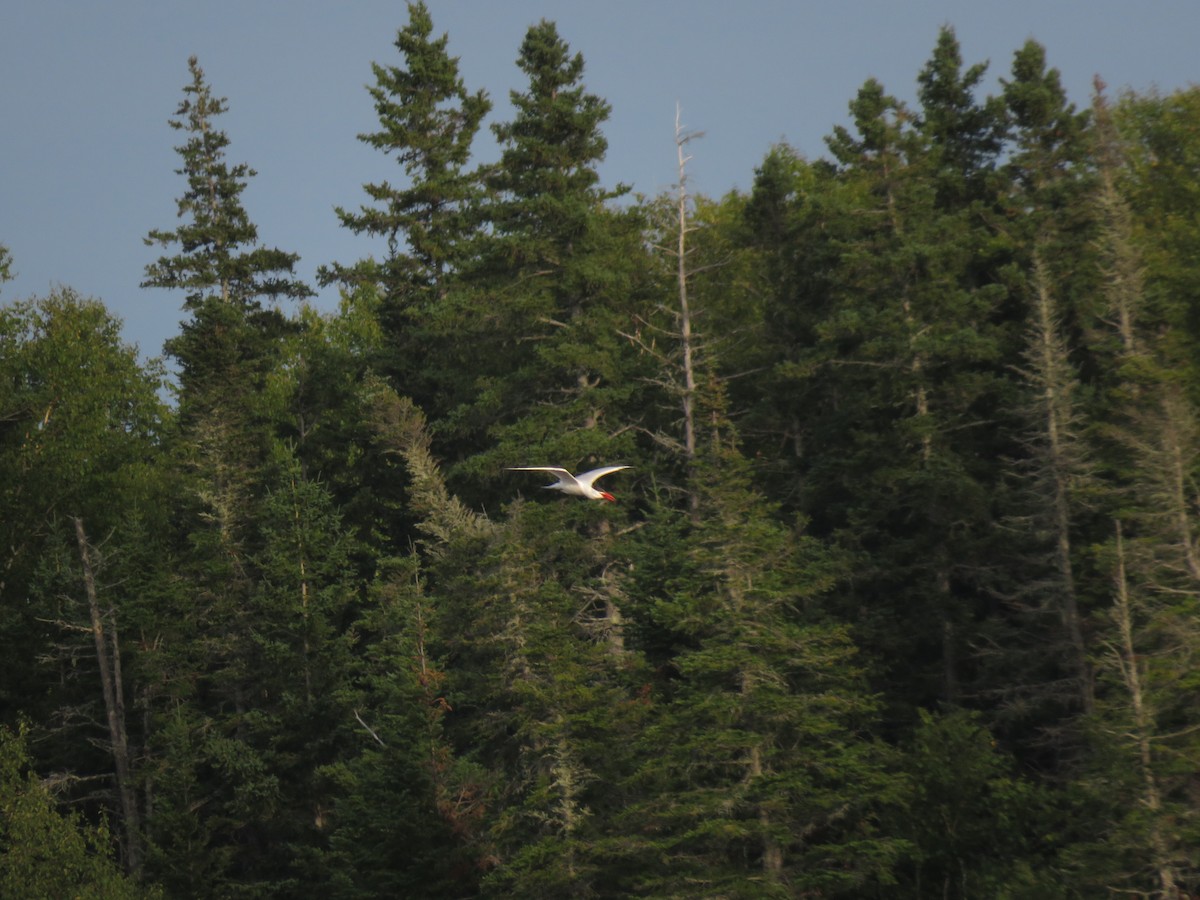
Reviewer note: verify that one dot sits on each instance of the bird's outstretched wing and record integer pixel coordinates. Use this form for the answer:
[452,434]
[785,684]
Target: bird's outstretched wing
[562,474]
[590,477]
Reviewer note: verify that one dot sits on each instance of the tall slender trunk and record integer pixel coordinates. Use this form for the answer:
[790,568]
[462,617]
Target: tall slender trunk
[1143,724]
[305,611]
[949,641]
[772,852]
[609,594]
[1174,436]
[685,314]
[1049,358]
[1122,264]
[917,367]
[108,658]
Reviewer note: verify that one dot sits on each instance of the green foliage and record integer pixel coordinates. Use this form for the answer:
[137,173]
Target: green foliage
[977,828]
[80,421]
[227,346]
[861,628]
[966,135]
[534,324]
[6,272]
[212,261]
[1158,136]
[765,720]
[428,122]
[45,855]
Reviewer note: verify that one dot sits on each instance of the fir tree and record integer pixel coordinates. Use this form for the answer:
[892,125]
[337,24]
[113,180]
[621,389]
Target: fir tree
[220,264]
[210,738]
[428,121]
[6,272]
[914,345]
[764,721]
[538,331]
[966,134]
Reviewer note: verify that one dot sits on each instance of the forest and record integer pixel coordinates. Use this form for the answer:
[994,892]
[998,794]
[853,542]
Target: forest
[899,596]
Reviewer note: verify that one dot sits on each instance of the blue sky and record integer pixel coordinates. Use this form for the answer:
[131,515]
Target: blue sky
[87,160]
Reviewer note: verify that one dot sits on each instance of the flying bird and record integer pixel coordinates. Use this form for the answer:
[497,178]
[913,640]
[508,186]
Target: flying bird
[576,485]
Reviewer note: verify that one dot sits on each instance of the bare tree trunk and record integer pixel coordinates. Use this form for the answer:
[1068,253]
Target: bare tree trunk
[949,643]
[1143,726]
[772,852]
[614,622]
[1177,434]
[920,392]
[305,612]
[114,705]
[685,314]
[1050,362]
[1122,265]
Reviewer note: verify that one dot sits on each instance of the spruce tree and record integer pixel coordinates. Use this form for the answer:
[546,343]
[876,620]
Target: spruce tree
[791,227]
[1143,730]
[541,305]
[965,133]
[220,264]
[1038,667]
[531,694]
[1048,181]
[1042,686]
[913,344]
[725,597]
[428,121]
[759,734]
[210,738]
[6,272]
[978,825]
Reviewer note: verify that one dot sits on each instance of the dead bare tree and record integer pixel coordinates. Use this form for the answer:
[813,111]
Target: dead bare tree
[1143,733]
[108,658]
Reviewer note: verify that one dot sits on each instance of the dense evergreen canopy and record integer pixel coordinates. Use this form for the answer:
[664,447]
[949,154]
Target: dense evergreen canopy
[900,596]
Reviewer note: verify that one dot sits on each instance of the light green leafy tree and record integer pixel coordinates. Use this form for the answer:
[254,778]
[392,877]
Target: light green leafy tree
[44,854]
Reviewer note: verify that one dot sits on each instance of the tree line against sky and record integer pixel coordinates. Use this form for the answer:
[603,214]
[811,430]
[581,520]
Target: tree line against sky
[899,596]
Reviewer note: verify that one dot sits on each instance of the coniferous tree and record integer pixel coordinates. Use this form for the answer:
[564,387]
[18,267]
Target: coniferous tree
[1143,739]
[6,273]
[977,825]
[1048,181]
[552,704]
[551,279]
[1037,671]
[230,342]
[764,720]
[408,814]
[1143,732]
[791,226]
[966,135]
[727,600]
[1041,686]
[226,274]
[1156,135]
[218,779]
[428,120]
[534,693]
[971,337]
[914,345]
